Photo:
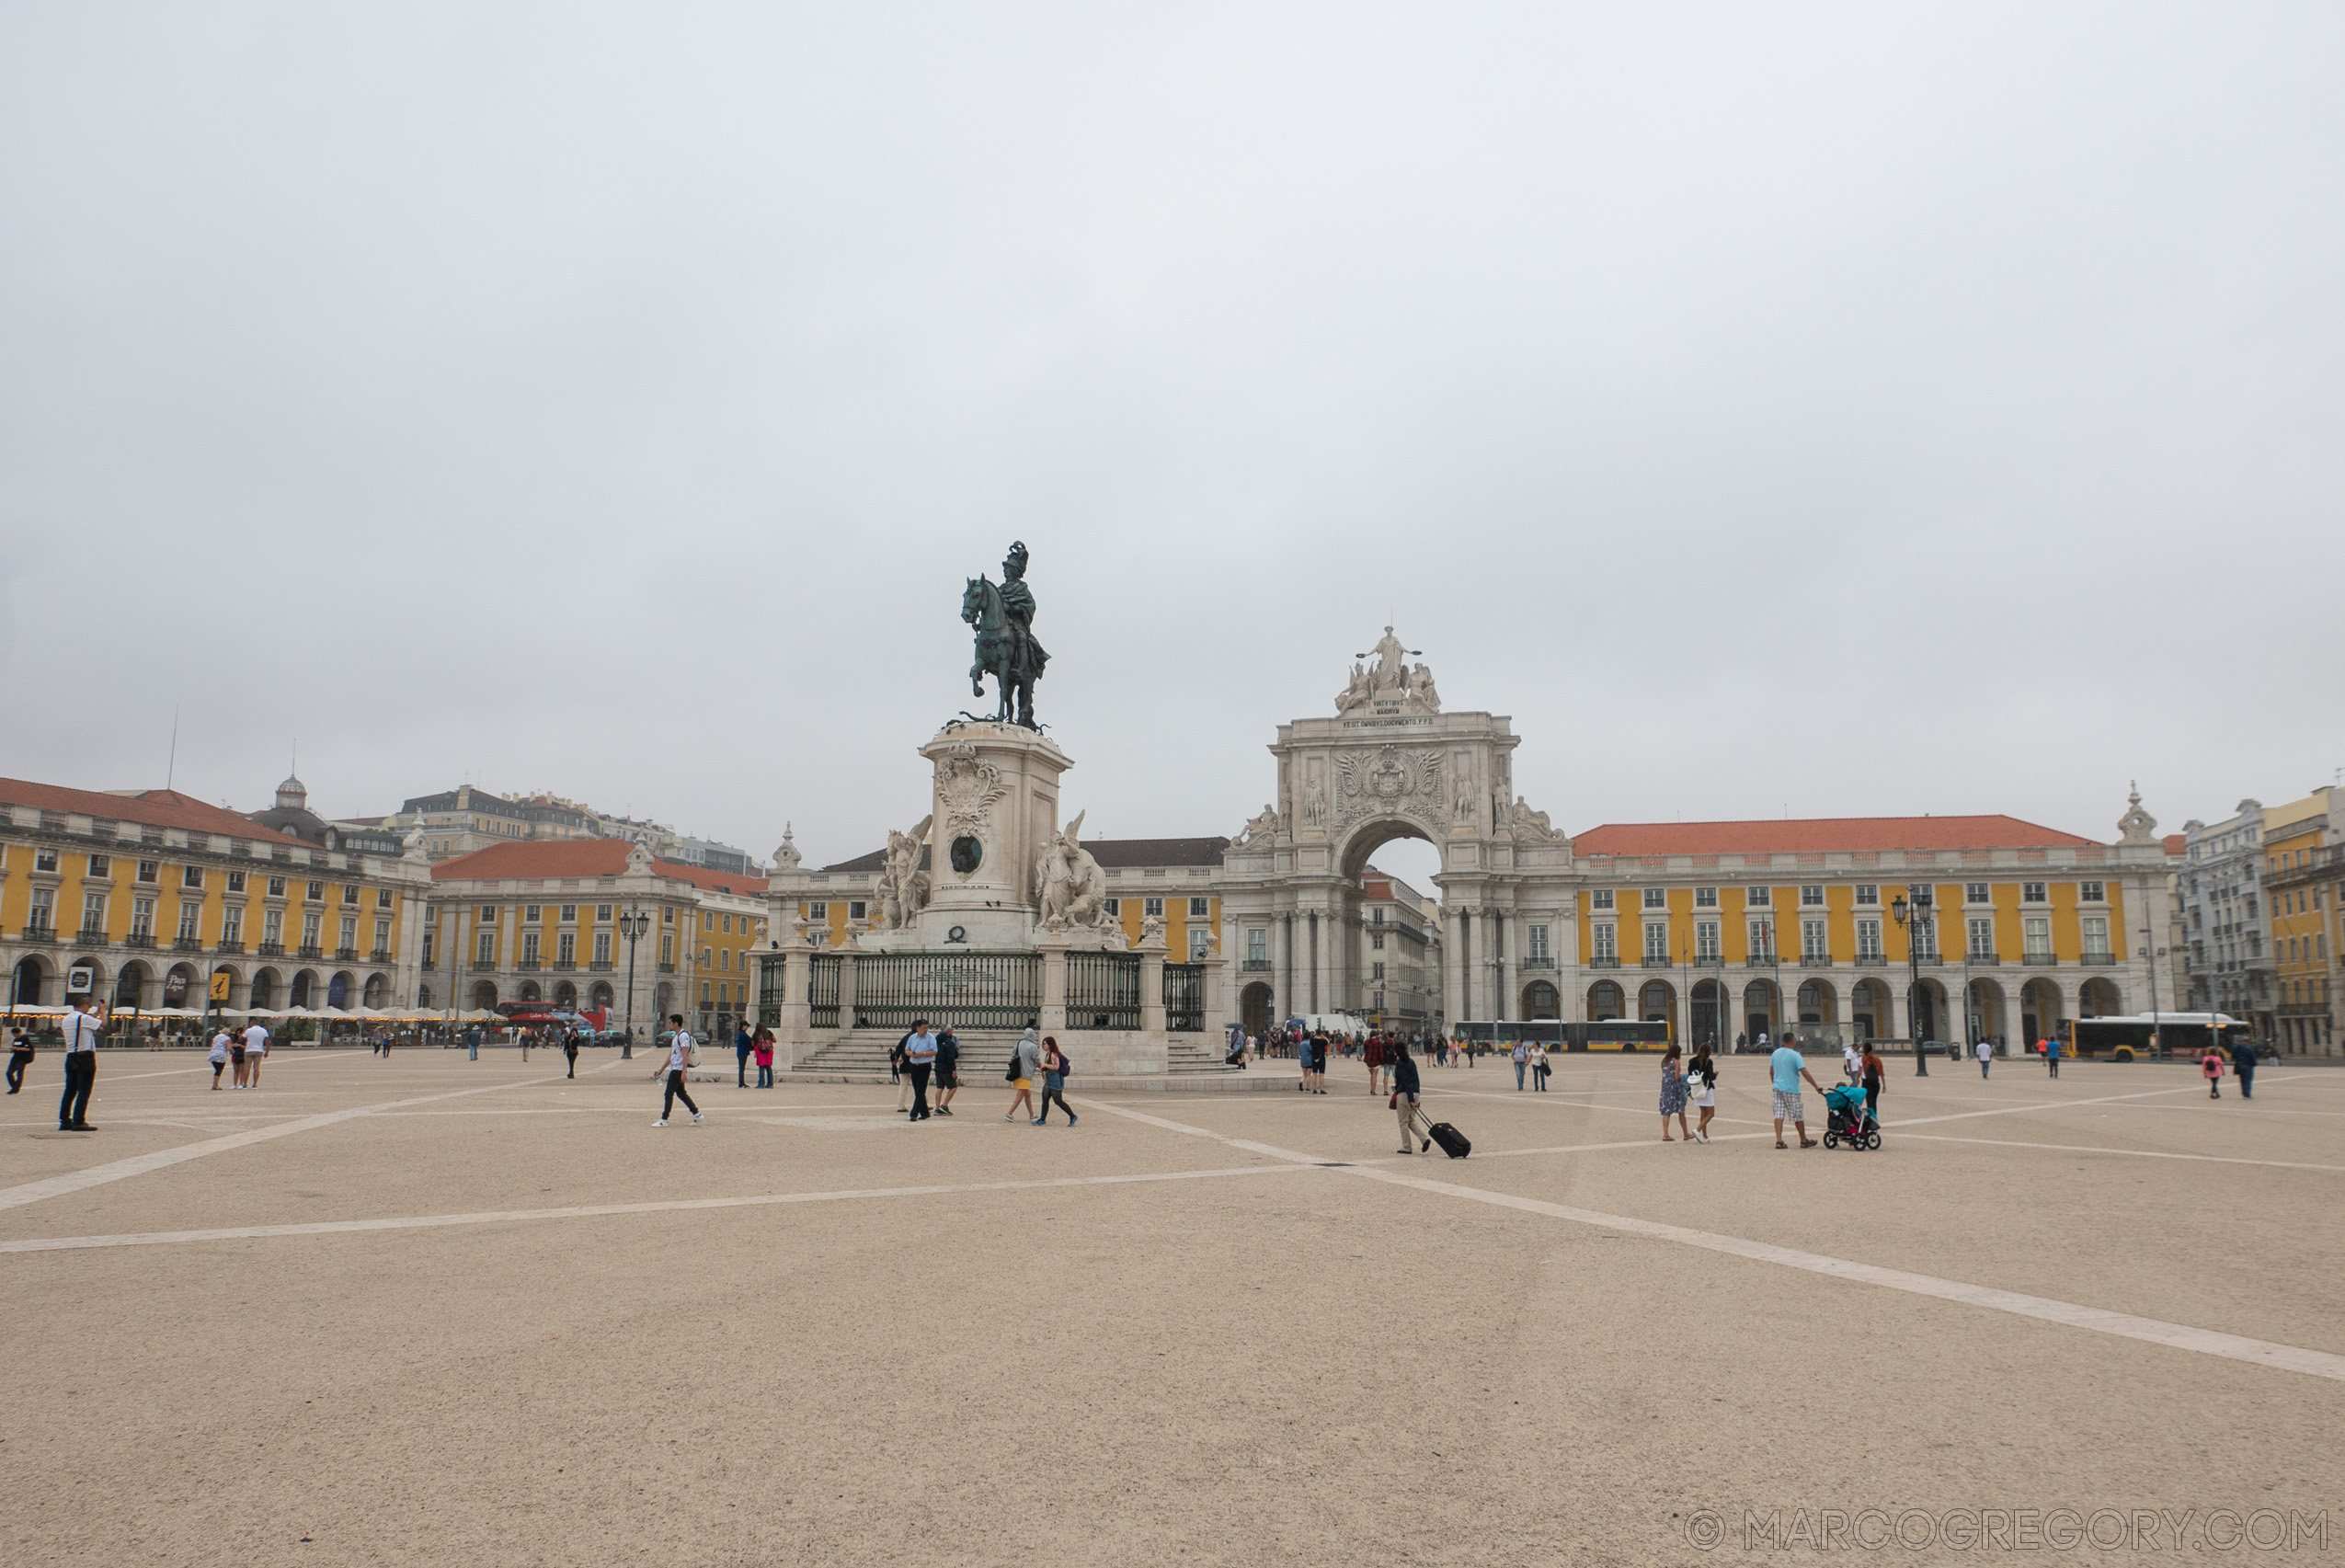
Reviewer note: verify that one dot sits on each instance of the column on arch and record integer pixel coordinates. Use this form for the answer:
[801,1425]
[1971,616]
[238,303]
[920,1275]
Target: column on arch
[1282,967]
[1511,981]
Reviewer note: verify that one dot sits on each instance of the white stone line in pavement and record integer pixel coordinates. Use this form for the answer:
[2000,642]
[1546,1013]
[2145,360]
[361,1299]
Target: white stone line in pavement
[2135,1153]
[179,1071]
[2180,1336]
[582,1212]
[140,1164]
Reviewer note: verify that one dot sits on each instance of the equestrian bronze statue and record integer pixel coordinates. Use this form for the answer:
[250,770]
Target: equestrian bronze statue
[1006,648]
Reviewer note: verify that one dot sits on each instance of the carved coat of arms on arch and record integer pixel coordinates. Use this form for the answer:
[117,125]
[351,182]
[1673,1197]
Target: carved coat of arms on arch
[1390,781]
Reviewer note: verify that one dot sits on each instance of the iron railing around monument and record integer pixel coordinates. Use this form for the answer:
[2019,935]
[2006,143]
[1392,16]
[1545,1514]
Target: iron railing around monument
[822,992]
[1103,990]
[965,990]
[1183,998]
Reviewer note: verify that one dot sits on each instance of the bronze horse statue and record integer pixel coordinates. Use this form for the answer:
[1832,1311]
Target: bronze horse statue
[999,654]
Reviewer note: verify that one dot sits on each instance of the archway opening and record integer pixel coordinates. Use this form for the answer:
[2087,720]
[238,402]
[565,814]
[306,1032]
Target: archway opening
[1540,1001]
[485,995]
[130,987]
[1709,1012]
[27,983]
[264,992]
[1253,1008]
[1383,962]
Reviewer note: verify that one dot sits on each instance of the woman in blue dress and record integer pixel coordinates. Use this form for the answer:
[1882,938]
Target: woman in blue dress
[1673,1096]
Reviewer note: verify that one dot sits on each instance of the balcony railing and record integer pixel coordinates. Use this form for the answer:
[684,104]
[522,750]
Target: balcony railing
[601,966]
[2039,961]
[667,969]
[484,966]
[2098,960]
[1605,961]
[38,934]
[1659,961]
[1977,961]
[189,944]
[1816,960]
[229,945]
[1759,961]
[1544,962]
[528,966]
[139,939]
[1254,966]
[1871,960]
[270,950]
[565,963]
[379,955]
[311,950]
[346,954]
[91,936]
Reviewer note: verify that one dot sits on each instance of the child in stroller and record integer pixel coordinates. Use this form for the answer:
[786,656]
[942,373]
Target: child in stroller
[1848,1120]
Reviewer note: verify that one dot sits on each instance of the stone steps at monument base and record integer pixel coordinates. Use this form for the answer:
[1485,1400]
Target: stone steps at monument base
[867,1055]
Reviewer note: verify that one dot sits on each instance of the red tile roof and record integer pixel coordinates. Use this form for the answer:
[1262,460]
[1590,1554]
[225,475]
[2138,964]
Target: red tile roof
[1821,835]
[152,808]
[582,857]
[2177,844]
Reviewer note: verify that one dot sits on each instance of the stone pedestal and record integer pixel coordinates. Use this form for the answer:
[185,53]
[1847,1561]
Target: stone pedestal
[996,804]
[1054,986]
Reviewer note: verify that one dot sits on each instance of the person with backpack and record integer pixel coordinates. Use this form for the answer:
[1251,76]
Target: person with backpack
[1055,1068]
[1025,1061]
[948,1074]
[680,1057]
[1404,1094]
[2210,1069]
[20,1054]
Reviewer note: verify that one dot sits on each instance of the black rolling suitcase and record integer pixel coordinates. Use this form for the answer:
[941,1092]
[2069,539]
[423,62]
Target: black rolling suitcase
[1454,1143]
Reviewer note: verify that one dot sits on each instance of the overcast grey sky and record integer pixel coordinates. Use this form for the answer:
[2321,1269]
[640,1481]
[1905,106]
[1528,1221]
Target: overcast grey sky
[1838,410]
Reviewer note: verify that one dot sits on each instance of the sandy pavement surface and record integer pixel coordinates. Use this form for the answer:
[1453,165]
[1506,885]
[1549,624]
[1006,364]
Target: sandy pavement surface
[425,1310]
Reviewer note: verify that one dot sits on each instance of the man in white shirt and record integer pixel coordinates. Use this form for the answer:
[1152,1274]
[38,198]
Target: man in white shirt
[680,1056]
[1986,1051]
[256,1048]
[1852,1063]
[80,1065]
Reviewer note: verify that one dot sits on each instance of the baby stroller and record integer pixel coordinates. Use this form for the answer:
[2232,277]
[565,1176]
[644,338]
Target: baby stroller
[1847,1120]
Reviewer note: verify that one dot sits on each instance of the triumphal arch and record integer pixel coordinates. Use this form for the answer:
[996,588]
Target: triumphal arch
[1389,763]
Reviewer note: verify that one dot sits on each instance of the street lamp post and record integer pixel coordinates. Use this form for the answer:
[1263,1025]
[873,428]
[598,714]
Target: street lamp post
[633,925]
[1915,919]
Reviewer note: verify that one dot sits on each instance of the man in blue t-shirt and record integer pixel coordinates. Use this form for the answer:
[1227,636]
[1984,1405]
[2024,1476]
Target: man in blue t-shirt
[1786,1067]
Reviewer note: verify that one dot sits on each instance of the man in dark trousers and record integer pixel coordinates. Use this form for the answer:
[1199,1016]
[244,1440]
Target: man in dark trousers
[741,1045]
[81,1066]
[1404,1094]
[2243,1062]
[919,1057]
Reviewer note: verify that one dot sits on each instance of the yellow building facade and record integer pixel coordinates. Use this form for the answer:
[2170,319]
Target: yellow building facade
[2301,860]
[141,898]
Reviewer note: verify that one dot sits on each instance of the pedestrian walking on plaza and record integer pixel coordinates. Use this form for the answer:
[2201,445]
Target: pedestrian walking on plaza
[2243,1062]
[1539,1067]
[1320,1045]
[80,1065]
[1673,1096]
[1984,1051]
[1053,1083]
[1522,1059]
[948,1070]
[1849,1060]
[1373,1054]
[522,1036]
[899,1073]
[1701,1082]
[1404,1094]
[2052,1054]
[761,1048]
[255,1052]
[471,1042]
[569,1050]
[1785,1067]
[743,1044]
[1024,1062]
[2211,1068]
[1872,1075]
[680,1057]
[20,1057]
[920,1060]
[219,1057]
